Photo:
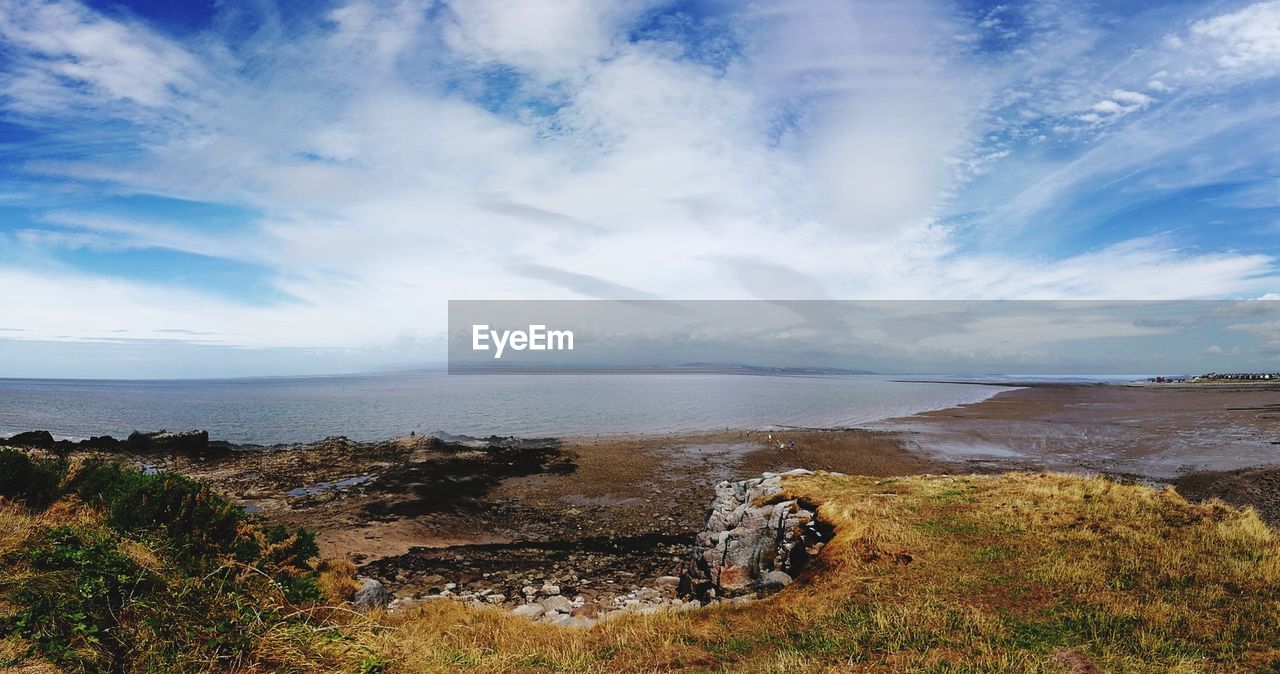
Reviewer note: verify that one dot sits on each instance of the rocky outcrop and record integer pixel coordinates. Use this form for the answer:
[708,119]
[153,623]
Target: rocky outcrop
[754,543]
[34,439]
[188,442]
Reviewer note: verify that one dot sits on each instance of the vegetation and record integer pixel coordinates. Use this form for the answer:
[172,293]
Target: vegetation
[1016,573]
[133,572]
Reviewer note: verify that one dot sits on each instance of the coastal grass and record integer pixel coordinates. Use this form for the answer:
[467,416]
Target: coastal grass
[1013,573]
[1033,573]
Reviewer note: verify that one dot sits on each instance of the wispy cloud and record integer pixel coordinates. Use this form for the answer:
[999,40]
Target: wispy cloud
[390,156]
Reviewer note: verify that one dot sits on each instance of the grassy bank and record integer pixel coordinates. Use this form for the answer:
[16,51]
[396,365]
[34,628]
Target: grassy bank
[1021,573]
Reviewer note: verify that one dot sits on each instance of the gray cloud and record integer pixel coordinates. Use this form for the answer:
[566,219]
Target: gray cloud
[583,284]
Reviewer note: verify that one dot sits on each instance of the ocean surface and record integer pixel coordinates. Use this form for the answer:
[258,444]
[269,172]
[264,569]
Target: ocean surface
[380,406]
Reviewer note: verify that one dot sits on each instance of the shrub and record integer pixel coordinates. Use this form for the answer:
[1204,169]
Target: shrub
[205,528]
[33,482]
[198,521]
[79,583]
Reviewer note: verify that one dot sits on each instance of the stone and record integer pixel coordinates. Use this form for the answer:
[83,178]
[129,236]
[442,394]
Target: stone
[775,580]
[529,590]
[586,611]
[371,595]
[648,594]
[557,604]
[549,590]
[669,583]
[495,598]
[531,611]
[749,534]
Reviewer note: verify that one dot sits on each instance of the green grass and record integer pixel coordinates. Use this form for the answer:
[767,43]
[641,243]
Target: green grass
[1022,573]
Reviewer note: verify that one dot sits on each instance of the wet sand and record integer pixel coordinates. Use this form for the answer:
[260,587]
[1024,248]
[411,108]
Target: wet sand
[1160,432]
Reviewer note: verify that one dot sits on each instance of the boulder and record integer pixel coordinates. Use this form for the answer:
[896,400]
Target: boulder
[530,611]
[588,610]
[187,442]
[753,543]
[190,443]
[557,604]
[371,595]
[34,439]
[100,442]
[667,583]
[775,580]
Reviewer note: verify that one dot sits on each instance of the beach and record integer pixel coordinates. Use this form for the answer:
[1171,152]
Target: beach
[607,515]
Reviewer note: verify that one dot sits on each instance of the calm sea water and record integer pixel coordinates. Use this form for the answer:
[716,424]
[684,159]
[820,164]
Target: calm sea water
[379,406]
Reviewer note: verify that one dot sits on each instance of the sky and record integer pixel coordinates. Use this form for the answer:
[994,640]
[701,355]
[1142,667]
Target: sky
[250,187]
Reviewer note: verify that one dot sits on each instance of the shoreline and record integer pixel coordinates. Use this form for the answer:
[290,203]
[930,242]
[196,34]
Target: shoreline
[473,407]
[609,514]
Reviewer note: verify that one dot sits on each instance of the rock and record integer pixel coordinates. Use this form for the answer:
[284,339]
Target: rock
[557,604]
[571,621]
[586,611]
[648,594]
[775,580]
[529,591]
[34,439]
[100,442]
[495,598]
[530,611]
[371,595]
[549,590]
[195,443]
[667,583]
[743,543]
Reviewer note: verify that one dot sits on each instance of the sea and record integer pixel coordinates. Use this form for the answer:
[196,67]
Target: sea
[378,406]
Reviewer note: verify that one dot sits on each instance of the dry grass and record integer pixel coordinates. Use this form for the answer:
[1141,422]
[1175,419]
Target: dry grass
[1016,573]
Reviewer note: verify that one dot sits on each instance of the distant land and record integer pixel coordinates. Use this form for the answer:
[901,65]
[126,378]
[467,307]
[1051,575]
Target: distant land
[685,368]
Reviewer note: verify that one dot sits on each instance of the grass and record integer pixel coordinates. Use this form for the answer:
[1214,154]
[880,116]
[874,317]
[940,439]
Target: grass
[1015,573]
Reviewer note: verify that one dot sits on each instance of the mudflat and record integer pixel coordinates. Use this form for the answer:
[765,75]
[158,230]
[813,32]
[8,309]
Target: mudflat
[1160,431]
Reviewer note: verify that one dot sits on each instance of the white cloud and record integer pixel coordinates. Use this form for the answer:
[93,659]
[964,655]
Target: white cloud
[1246,38]
[553,39]
[69,47]
[813,165]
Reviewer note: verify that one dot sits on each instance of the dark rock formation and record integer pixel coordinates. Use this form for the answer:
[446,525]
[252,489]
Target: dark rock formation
[753,543]
[188,442]
[33,439]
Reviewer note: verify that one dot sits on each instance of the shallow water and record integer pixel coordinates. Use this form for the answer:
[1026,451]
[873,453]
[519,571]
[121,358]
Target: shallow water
[378,406]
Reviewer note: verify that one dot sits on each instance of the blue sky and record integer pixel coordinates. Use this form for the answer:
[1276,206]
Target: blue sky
[268,187]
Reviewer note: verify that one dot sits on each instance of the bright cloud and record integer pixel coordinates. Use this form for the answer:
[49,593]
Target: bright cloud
[378,159]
